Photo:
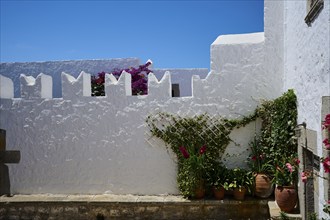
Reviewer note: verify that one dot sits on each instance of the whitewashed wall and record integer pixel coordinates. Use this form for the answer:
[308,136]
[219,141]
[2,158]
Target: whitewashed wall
[274,44]
[182,77]
[82,144]
[307,69]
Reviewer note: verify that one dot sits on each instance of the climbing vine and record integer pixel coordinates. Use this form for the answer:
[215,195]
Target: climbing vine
[186,136]
[190,133]
[279,119]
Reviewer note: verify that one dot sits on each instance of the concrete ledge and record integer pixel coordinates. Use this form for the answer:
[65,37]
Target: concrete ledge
[128,207]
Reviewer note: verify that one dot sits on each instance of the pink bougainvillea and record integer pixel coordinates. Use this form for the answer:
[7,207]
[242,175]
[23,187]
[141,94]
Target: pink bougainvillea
[138,76]
[290,167]
[326,164]
[326,143]
[326,123]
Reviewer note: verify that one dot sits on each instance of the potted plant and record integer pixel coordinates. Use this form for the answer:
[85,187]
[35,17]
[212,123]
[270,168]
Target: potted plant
[242,182]
[192,174]
[218,178]
[261,166]
[286,176]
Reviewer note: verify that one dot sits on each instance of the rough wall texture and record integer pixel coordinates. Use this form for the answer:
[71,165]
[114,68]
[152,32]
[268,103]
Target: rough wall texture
[307,69]
[81,144]
[182,77]
[307,60]
[274,45]
[237,72]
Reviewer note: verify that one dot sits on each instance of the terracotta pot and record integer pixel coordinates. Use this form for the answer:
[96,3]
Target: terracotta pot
[199,191]
[263,186]
[219,193]
[239,193]
[286,197]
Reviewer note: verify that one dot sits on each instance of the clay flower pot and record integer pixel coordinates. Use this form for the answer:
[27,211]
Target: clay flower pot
[219,193]
[199,190]
[263,186]
[239,193]
[286,197]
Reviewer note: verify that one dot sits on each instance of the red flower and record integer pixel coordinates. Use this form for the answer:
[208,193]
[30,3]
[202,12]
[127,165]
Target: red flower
[202,150]
[254,158]
[297,161]
[184,152]
[326,164]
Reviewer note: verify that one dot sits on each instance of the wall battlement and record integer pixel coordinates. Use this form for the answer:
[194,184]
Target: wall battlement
[41,87]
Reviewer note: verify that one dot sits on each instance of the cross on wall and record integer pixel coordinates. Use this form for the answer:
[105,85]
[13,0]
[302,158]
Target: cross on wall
[6,156]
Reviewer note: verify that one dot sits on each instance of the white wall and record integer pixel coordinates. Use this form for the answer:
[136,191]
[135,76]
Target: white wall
[274,45]
[307,69]
[182,77]
[81,144]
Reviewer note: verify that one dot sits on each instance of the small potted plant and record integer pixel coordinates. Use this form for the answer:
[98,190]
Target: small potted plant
[192,174]
[217,179]
[242,182]
[261,167]
[286,177]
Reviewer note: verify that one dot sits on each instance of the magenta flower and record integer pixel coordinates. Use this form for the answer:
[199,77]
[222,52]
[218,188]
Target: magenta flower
[326,164]
[304,177]
[326,143]
[289,166]
[297,161]
[184,152]
[202,150]
[326,123]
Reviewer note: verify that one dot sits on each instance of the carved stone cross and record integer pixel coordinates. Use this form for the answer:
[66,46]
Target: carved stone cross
[6,156]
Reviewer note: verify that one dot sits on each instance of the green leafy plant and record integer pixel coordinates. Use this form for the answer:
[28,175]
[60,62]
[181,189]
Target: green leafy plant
[193,170]
[279,119]
[326,208]
[193,132]
[242,178]
[286,173]
[258,160]
[284,216]
[312,216]
[218,176]
[276,140]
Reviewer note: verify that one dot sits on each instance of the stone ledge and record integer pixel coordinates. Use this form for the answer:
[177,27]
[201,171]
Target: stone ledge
[128,207]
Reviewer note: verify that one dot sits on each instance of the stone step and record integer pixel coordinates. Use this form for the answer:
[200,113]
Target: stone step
[128,207]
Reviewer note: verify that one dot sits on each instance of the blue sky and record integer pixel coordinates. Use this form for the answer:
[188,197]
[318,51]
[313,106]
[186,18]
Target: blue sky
[174,34]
